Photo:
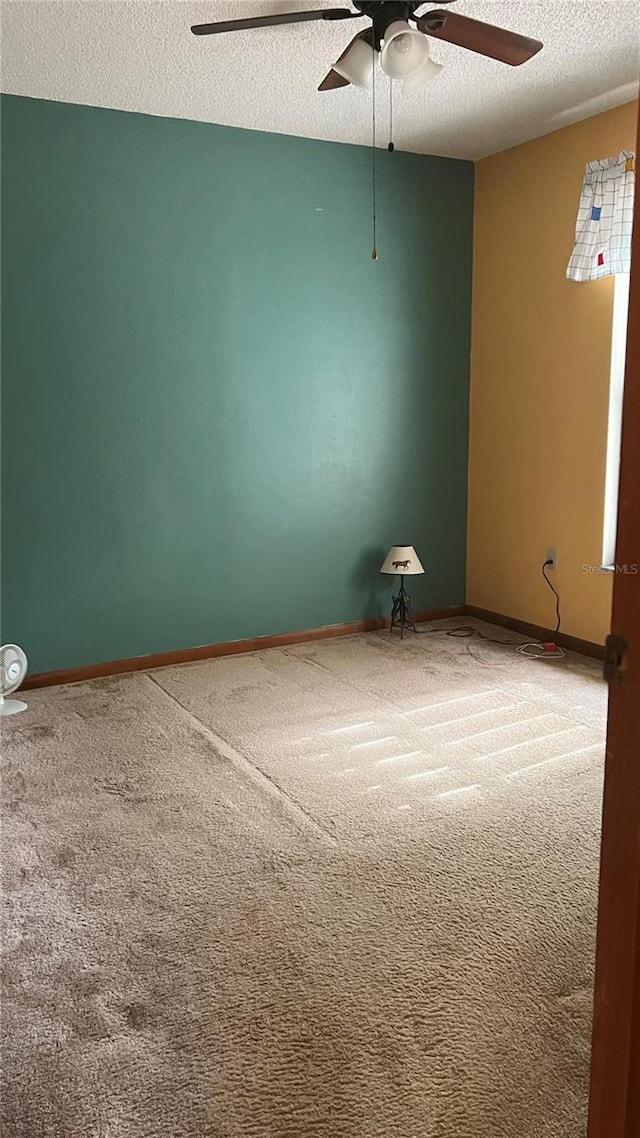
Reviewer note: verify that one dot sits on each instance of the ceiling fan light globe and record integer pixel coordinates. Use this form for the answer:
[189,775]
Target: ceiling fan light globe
[401,43]
[357,65]
[404,50]
[430,70]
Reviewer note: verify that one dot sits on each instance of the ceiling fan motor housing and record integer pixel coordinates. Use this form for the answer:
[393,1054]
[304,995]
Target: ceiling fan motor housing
[385,12]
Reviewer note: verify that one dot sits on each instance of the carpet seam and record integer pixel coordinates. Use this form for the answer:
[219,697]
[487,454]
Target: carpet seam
[253,773]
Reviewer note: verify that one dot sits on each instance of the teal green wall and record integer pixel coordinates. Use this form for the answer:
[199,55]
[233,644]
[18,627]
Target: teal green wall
[218,412]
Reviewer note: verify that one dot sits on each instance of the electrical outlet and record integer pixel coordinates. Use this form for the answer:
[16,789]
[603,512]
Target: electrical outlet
[552,556]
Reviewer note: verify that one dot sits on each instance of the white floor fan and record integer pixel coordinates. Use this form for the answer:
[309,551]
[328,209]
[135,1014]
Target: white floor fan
[13,669]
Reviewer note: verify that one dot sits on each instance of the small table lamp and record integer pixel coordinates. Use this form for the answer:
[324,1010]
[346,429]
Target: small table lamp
[403,560]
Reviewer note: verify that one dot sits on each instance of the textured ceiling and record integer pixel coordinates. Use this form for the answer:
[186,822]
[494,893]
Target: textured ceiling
[141,56]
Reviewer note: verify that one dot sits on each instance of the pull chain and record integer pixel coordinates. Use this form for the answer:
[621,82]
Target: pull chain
[374,251]
[391,146]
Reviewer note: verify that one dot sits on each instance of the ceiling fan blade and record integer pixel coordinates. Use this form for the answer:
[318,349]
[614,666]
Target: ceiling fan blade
[486,39]
[271,21]
[332,80]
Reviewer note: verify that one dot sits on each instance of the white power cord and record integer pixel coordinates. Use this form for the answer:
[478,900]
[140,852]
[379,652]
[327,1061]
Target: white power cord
[539,652]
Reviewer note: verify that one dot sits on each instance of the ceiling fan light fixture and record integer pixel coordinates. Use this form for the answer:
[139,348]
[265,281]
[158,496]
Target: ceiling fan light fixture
[429,70]
[356,65]
[404,51]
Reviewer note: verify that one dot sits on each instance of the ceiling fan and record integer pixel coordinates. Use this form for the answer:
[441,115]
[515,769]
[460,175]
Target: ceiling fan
[404,51]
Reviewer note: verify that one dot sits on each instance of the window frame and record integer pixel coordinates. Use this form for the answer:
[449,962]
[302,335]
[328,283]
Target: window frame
[614,419]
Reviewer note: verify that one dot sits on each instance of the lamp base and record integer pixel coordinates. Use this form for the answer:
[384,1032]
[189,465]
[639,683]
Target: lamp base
[402,613]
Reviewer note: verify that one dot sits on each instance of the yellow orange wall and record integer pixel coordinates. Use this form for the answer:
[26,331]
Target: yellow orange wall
[539,383]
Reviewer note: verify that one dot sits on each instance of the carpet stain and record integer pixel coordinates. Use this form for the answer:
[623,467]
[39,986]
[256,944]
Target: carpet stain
[65,857]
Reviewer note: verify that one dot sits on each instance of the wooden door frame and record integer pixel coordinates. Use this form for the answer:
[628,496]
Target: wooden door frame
[614,1109]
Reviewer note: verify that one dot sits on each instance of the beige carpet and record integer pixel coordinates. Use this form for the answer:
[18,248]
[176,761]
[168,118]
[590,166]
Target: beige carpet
[342,890]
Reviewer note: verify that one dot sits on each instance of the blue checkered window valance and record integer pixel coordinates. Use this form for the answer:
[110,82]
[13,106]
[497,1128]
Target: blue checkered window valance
[605,219]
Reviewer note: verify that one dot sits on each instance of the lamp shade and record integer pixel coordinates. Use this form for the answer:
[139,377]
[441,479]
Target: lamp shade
[429,70]
[356,65]
[402,559]
[404,51]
